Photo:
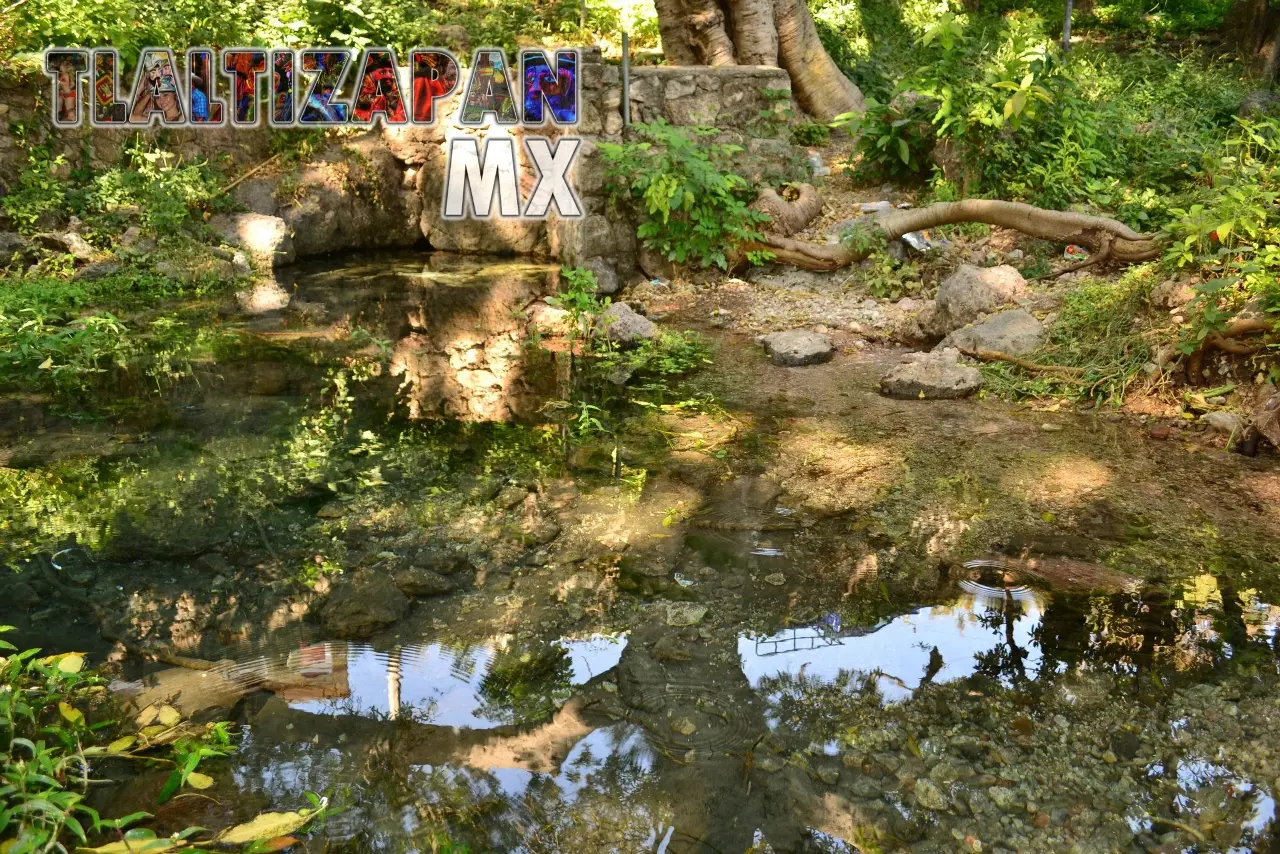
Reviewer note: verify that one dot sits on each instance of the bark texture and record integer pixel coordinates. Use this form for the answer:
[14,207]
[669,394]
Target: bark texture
[755,36]
[820,87]
[759,32]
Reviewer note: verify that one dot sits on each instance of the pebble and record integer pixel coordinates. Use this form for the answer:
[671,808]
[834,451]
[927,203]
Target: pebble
[1051,428]
[930,796]
[830,776]
[1109,757]
[777,579]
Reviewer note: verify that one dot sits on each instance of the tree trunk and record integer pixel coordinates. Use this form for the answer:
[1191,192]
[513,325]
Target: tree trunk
[676,46]
[764,32]
[819,86]
[755,36]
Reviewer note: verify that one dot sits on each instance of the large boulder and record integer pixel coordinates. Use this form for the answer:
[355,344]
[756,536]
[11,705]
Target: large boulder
[971,292]
[69,243]
[13,247]
[362,607]
[267,239]
[624,327]
[1016,332]
[417,581]
[607,281]
[797,347]
[931,376]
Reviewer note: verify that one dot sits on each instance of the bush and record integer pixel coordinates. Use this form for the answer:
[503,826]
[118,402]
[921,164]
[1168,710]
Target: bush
[693,207]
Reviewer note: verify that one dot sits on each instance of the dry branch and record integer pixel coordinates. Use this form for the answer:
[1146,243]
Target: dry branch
[1034,367]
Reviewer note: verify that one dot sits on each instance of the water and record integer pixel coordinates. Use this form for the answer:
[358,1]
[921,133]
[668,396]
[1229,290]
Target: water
[863,626]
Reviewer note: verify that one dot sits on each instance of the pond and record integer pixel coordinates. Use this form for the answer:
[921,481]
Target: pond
[769,611]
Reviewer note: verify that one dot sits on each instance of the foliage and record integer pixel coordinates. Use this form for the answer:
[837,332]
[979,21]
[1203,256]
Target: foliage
[130,26]
[1098,329]
[811,134]
[894,139]
[1229,235]
[53,746]
[693,206]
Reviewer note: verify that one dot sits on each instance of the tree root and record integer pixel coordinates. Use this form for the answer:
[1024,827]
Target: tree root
[997,356]
[1106,238]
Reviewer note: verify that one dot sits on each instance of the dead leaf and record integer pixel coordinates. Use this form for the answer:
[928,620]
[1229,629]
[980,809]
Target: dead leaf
[266,826]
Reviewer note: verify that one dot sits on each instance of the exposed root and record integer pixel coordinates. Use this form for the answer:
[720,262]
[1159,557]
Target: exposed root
[997,356]
[1106,238]
[1098,257]
[1226,339]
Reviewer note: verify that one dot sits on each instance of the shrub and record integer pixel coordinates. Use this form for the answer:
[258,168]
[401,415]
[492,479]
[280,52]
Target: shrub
[693,207]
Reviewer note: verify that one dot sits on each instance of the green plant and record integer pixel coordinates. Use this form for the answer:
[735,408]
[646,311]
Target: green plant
[894,139]
[811,134]
[693,207]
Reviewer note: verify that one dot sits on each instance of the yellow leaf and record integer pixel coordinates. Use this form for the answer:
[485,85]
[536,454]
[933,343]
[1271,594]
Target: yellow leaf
[71,663]
[46,364]
[196,780]
[120,745]
[154,729]
[266,826]
[147,716]
[169,716]
[71,713]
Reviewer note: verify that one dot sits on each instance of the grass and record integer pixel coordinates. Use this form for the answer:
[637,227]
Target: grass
[1098,330]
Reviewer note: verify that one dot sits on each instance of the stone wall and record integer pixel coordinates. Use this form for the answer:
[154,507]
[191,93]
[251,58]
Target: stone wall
[383,188]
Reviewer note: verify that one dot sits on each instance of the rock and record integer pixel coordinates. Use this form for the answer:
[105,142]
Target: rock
[655,265]
[98,270]
[510,496]
[264,296]
[777,579]
[267,239]
[1172,293]
[1224,422]
[684,726]
[1259,103]
[332,510]
[441,560]
[607,281]
[769,764]
[1003,797]
[624,327]
[1016,332]
[931,376]
[69,243]
[830,776]
[681,614]
[797,347]
[416,581]
[367,604]
[13,247]
[1016,255]
[21,595]
[971,292]
[929,796]
[132,244]
[542,533]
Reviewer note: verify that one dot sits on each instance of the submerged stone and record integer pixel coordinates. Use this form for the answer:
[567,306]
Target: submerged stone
[798,347]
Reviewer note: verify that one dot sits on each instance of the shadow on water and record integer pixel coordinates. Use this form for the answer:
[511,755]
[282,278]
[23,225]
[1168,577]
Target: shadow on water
[758,700]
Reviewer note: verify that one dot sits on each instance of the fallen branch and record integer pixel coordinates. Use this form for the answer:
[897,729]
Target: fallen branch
[254,171]
[1106,238]
[997,356]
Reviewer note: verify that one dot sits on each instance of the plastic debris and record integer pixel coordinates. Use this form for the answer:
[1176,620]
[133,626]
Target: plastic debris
[817,167]
[1075,253]
[875,207]
[924,241]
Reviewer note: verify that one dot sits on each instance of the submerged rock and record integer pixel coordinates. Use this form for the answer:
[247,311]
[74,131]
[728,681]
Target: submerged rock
[1015,332]
[624,327]
[931,376]
[797,347]
[681,614]
[364,606]
[416,582]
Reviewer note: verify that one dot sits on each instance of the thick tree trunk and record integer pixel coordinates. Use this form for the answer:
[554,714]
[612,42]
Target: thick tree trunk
[764,32]
[1254,27]
[755,36]
[676,46]
[819,86]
